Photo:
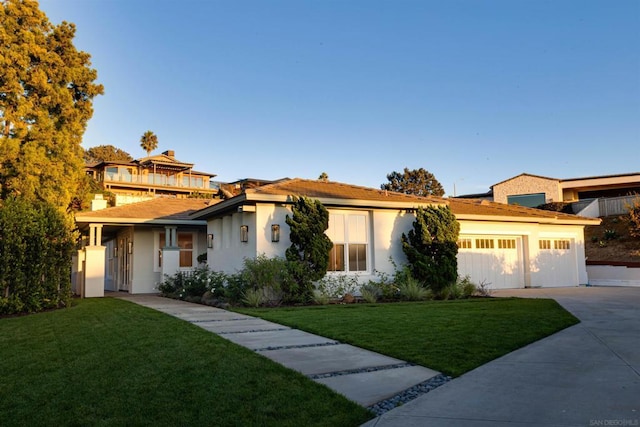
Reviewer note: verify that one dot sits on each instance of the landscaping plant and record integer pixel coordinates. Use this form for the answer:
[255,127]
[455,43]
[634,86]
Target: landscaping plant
[431,247]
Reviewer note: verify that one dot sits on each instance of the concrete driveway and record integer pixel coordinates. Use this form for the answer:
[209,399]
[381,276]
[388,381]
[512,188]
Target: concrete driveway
[585,375]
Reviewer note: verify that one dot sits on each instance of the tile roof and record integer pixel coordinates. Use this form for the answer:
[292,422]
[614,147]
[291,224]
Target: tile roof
[159,208]
[487,208]
[336,190]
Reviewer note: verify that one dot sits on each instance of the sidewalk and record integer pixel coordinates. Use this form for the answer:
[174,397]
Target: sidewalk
[361,375]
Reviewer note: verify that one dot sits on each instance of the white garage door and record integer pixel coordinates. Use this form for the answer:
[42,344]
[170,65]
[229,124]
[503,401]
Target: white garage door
[494,260]
[555,264]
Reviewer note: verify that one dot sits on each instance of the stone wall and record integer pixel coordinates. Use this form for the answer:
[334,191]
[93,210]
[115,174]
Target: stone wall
[528,184]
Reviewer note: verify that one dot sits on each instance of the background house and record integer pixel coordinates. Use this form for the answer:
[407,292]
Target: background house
[534,190]
[148,177]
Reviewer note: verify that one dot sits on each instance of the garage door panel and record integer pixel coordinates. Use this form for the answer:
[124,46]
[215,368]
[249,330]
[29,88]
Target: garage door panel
[498,264]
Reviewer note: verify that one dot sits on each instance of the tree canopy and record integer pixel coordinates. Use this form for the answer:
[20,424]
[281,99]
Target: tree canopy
[149,142]
[419,182]
[102,153]
[46,99]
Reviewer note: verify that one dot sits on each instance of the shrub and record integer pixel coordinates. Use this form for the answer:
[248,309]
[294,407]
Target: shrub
[310,246]
[337,286]
[188,284]
[610,234]
[634,217]
[431,247]
[320,298]
[253,297]
[370,293]
[36,243]
[412,290]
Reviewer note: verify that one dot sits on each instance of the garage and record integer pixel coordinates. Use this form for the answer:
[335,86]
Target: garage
[555,263]
[496,261]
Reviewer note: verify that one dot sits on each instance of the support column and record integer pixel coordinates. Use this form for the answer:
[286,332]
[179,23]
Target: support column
[94,255]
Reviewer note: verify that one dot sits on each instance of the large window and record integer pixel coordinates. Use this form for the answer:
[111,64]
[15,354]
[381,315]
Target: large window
[185,243]
[528,200]
[350,236]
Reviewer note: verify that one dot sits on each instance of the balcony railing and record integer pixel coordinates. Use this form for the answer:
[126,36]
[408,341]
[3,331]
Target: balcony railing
[159,180]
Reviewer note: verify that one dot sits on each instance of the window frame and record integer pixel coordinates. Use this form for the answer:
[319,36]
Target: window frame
[349,242]
[158,244]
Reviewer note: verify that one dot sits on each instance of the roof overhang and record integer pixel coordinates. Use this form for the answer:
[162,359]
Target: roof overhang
[251,199]
[581,221]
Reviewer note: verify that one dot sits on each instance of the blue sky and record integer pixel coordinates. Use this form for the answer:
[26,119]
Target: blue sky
[474,91]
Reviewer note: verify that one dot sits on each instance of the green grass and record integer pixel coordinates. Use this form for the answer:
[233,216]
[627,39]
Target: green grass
[112,362]
[452,337]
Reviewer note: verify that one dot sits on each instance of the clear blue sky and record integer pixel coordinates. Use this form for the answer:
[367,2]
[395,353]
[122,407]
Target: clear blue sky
[473,91]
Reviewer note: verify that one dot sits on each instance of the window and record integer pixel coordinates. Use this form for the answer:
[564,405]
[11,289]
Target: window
[561,244]
[545,244]
[484,244]
[350,236]
[185,243]
[529,200]
[506,243]
[464,243]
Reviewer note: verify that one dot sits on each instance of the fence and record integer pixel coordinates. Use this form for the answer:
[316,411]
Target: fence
[605,206]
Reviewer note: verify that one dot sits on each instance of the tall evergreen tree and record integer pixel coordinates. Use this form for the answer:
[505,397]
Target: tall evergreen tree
[46,98]
[419,182]
[431,247]
[310,246]
[149,142]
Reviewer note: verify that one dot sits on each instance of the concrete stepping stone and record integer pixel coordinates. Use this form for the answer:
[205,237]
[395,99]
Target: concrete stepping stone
[368,388]
[274,339]
[240,326]
[326,359]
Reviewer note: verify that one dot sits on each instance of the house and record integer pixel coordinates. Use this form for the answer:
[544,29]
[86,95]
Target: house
[148,177]
[500,245]
[130,248]
[534,190]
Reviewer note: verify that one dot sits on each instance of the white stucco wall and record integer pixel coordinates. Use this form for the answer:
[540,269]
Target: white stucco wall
[540,268]
[228,251]
[610,275]
[526,184]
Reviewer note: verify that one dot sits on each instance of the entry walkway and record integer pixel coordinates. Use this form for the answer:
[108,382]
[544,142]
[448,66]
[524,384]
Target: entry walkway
[585,375]
[361,375]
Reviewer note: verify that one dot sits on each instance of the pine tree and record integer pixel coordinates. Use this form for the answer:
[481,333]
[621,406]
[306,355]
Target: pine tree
[46,93]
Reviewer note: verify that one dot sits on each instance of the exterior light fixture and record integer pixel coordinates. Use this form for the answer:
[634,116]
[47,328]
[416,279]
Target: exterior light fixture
[244,233]
[130,247]
[275,232]
[210,241]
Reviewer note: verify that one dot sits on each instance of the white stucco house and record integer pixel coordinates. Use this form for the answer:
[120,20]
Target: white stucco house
[132,247]
[504,246]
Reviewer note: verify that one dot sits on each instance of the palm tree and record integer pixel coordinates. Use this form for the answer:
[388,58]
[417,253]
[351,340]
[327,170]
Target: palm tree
[149,142]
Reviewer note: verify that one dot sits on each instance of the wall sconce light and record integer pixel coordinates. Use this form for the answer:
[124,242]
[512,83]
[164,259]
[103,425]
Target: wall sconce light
[130,247]
[115,251]
[210,241]
[275,232]
[244,233]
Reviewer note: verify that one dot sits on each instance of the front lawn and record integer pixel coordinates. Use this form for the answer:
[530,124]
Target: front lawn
[111,362]
[450,336]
